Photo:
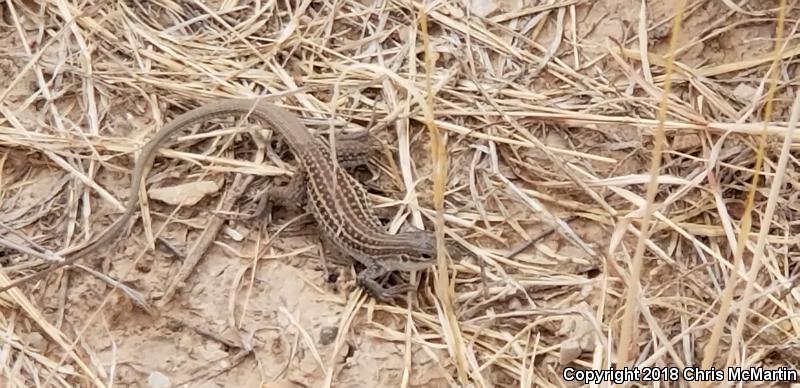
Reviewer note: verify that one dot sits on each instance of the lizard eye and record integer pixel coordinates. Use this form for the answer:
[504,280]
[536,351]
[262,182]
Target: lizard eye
[427,256]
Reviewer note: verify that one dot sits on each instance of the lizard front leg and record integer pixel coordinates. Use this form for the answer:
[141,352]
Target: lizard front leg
[368,279]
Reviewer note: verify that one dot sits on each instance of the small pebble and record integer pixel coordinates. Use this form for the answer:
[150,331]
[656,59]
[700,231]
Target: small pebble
[327,335]
[158,380]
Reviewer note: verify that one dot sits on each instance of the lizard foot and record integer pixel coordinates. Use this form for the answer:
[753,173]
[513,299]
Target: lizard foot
[366,279]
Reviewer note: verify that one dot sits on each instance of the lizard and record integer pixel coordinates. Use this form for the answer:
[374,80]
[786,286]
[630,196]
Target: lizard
[337,201]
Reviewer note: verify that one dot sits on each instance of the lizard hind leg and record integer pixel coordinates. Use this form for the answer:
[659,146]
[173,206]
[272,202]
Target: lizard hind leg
[292,195]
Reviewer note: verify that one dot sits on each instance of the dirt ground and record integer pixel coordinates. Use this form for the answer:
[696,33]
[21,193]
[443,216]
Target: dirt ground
[258,312]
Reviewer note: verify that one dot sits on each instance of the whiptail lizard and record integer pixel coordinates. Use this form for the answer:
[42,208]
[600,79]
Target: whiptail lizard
[335,199]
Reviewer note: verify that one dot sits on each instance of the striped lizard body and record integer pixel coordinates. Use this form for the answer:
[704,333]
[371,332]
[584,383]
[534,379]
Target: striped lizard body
[335,199]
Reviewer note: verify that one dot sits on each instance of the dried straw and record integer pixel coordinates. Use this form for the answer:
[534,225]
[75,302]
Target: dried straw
[522,133]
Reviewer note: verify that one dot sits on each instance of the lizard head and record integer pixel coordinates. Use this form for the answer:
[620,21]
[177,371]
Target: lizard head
[423,246]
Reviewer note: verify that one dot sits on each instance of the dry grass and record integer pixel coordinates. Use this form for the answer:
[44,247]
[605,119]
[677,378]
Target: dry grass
[514,133]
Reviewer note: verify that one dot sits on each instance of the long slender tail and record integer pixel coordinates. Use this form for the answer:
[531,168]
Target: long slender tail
[286,124]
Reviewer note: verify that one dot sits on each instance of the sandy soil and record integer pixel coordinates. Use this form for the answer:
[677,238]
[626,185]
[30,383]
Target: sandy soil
[274,321]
